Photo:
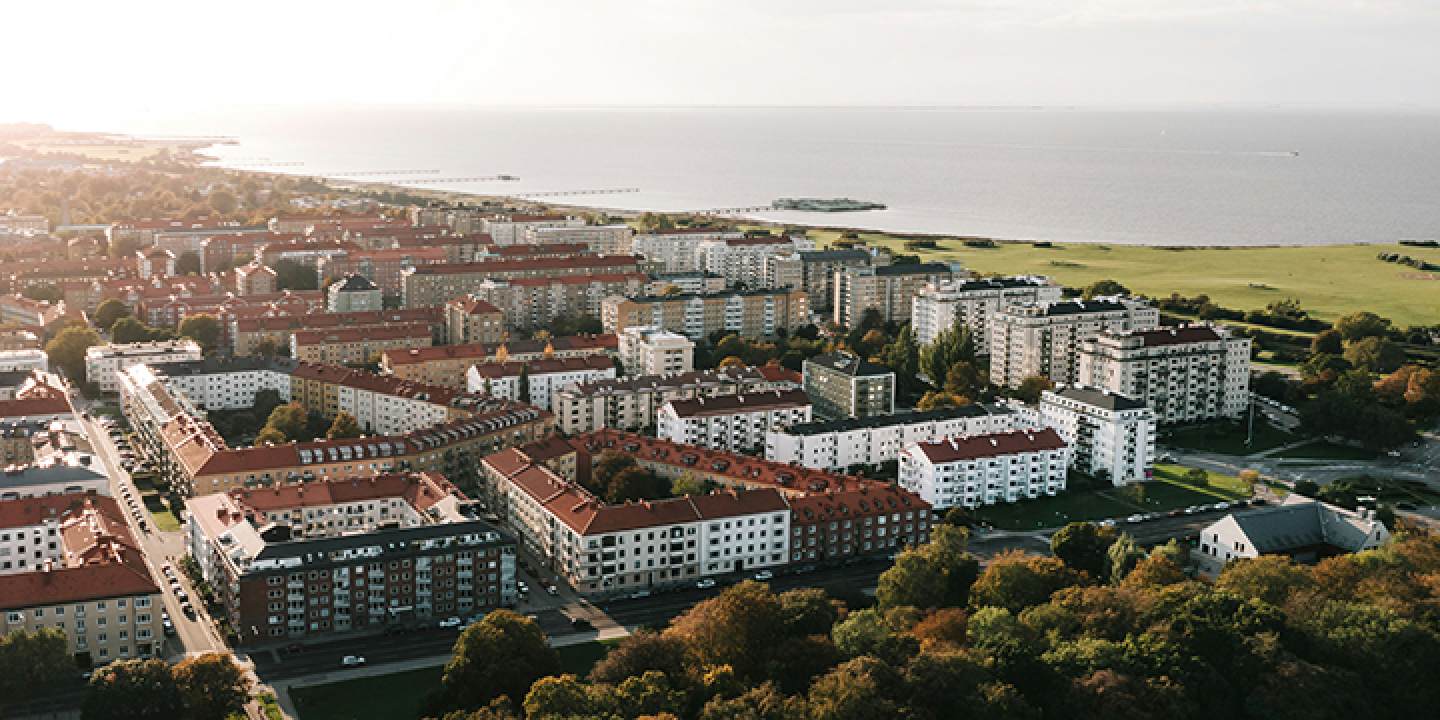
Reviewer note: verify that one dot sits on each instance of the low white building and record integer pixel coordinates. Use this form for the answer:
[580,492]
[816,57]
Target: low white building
[104,362]
[732,422]
[1187,373]
[545,377]
[24,361]
[1301,528]
[1112,436]
[937,307]
[227,383]
[840,444]
[986,469]
[72,474]
[651,350]
[599,239]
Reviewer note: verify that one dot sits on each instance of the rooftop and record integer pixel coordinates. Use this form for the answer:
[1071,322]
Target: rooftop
[354,283]
[974,447]
[1299,522]
[848,364]
[1098,397]
[767,401]
[906,418]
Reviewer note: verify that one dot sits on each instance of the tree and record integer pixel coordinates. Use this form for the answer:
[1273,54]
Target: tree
[1156,571]
[965,380]
[730,362]
[500,656]
[291,275]
[1359,325]
[34,664]
[1103,287]
[1307,488]
[67,351]
[289,420]
[1197,477]
[214,686]
[1375,354]
[1327,341]
[903,358]
[1015,582]
[809,611]
[1269,578]
[524,383]
[1121,558]
[938,574]
[635,483]
[687,484]
[559,697]
[108,312]
[345,427]
[130,330]
[269,436]
[642,651]
[223,201]
[954,345]
[134,689]
[1031,387]
[1084,546]
[671,290]
[736,628]
[266,400]
[856,690]
[187,264]
[203,328]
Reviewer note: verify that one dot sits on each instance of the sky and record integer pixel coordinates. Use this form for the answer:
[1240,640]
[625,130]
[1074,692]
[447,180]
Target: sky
[93,65]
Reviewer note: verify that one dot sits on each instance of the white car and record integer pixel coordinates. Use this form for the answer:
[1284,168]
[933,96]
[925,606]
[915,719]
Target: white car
[352,661]
[552,590]
[764,575]
[450,622]
[705,584]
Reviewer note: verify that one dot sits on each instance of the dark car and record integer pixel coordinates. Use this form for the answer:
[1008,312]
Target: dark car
[579,623]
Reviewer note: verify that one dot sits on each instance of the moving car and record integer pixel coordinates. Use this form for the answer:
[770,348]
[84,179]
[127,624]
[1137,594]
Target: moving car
[352,661]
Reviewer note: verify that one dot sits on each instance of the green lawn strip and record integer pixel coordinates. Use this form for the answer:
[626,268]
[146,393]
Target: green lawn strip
[1229,438]
[579,659]
[1328,280]
[1298,336]
[272,706]
[1280,489]
[378,697]
[106,410]
[1057,511]
[1321,450]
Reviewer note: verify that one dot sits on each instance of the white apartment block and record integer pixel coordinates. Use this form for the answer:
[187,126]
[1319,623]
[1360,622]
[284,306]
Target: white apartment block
[1111,436]
[655,351]
[513,229]
[1045,338]
[937,307]
[837,445]
[889,289]
[226,383]
[546,377]
[986,469]
[679,248]
[696,283]
[1187,373]
[599,239]
[634,401]
[731,422]
[24,361]
[742,261]
[104,362]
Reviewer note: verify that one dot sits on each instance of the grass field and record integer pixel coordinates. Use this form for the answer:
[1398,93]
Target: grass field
[160,514]
[1228,439]
[379,697]
[1328,281]
[1165,492]
[1320,450]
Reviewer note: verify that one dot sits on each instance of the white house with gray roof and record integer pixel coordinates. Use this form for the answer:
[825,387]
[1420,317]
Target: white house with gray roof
[1304,529]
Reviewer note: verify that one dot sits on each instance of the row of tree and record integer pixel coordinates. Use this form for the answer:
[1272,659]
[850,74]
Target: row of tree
[207,687]
[291,422]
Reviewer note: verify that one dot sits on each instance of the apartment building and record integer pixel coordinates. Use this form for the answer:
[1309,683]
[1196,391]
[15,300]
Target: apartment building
[677,250]
[22,312]
[696,283]
[470,320]
[26,361]
[1111,436]
[528,303]
[104,363]
[989,469]
[600,239]
[254,279]
[384,268]
[447,365]
[512,228]
[170,311]
[845,386]
[737,423]
[1187,373]
[632,402]
[156,262]
[756,313]
[60,474]
[541,378]
[70,563]
[223,383]
[357,345]
[428,285]
[654,351]
[12,339]
[890,289]
[253,334]
[354,293]
[856,520]
[818,268]
[325,558]
[741,261]
[839,445]
[937,307]
[1045,339]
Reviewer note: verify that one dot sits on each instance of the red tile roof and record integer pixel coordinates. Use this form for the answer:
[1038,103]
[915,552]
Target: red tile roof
[740,469]
[244,322]
[101,557]
[546,366]
[32,406]
[363,334]
[546,263]
[861,500]
[472,305]
[734,404]
[973,447]
[420,489]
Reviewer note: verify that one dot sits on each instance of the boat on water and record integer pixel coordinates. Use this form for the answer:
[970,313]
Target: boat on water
[825,205]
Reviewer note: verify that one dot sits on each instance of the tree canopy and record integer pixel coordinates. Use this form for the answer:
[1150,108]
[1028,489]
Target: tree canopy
[203,328]
[345,427]
[67,350]
[108,312]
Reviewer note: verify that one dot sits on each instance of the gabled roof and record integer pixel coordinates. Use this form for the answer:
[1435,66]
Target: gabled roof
[974,447]
[766,401]
[1299,522]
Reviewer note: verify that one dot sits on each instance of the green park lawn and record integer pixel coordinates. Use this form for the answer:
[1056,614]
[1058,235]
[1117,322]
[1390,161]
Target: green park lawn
[378,697]
[1165,492]
[1320,450]
[160,514]
[1328,281]
[1228,438]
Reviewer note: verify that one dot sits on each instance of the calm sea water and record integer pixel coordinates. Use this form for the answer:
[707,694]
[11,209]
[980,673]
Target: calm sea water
[1141,177]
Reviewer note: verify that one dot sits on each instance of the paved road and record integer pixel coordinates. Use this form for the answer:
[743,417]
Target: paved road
[193,636]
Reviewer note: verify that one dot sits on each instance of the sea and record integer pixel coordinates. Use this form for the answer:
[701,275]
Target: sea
[1182,177]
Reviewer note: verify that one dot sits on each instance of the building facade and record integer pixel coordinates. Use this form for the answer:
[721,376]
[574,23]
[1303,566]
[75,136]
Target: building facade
[757,313]
[839,445]
[470,320]
[654,351]
[633,402]
[678,250]
[599,239]
[542,378]
[354,293]
[889,289]
[845,386]
[937,307]
[737,423]
[989,469]
[103,363]
[1186,373]
[1111,436]
[353,346]
[432,285]
[1046,339]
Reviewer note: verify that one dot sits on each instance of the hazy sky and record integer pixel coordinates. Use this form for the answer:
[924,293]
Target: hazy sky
[86,64]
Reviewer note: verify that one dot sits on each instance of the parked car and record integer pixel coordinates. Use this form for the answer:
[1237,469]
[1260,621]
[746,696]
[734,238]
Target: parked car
[705,584]
[640,594]
[579,623]
[552,590]
[450,622]
[764,575]
[352,661]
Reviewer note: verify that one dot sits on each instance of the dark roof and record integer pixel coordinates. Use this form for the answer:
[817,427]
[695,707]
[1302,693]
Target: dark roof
[848,364]
[999,283]
[1076,307]
[766,401]
[923,269]
[878,421]
[687,296]
[973,447]
[1183,335]
[822,255]
[356,283]
[213,365]
[317,550]
[1099,398]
